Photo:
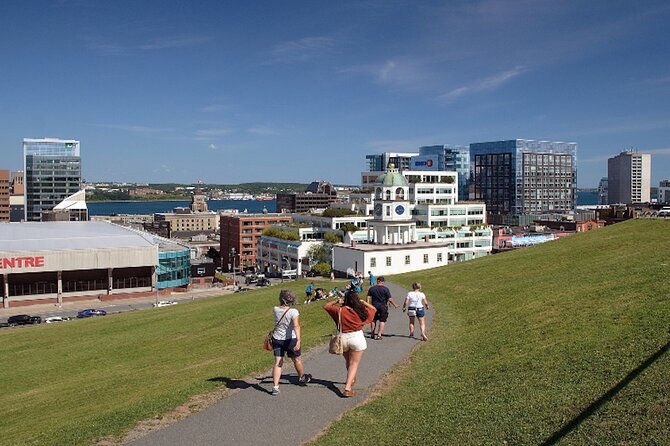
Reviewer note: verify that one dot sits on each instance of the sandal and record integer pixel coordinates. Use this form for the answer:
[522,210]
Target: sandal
[349,393]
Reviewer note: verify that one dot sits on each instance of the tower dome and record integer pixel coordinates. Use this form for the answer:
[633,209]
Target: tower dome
[392,178]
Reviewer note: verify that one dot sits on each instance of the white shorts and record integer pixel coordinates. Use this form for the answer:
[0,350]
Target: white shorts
[354,341]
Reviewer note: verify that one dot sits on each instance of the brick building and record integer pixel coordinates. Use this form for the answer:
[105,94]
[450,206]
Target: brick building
[242,233]
[4,196]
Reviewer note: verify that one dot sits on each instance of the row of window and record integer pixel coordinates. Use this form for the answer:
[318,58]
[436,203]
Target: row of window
[389,260]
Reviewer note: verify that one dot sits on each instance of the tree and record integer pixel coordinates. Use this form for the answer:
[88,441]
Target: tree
[331,237]
[319,254]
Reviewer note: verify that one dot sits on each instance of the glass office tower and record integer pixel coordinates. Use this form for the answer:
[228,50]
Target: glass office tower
[52,171]
[452,158]
[522,177]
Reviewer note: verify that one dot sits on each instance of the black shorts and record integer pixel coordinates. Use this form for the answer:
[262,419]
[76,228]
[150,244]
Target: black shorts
[382,314]
[281,347]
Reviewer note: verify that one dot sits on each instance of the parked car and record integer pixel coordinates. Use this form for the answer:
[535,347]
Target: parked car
[52,319]
[89,312]
[23,319]
[165,303]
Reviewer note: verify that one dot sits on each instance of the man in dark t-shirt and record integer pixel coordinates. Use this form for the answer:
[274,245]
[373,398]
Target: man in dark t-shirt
[380,296]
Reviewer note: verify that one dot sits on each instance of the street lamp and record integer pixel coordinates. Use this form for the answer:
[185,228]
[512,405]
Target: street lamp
[232,254]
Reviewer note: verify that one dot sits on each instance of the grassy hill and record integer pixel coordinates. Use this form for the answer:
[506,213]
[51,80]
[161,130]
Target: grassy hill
[563,343]
[560,343]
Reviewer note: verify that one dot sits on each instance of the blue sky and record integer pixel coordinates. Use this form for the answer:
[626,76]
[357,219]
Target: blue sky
[232,91]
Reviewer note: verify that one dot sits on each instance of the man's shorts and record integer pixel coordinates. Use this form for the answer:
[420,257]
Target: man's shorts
[354,341]
[382,314]
[281,347]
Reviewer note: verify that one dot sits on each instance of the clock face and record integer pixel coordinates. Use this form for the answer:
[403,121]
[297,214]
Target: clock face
[400,209]
[378,209]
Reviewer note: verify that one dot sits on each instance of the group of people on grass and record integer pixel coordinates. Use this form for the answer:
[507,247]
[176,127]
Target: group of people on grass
[353,314]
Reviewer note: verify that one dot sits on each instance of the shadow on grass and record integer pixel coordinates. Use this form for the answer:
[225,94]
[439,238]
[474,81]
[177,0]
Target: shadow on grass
[611,393]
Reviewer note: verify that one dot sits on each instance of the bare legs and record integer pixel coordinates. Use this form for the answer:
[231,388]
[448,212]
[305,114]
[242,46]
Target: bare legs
[352,359]
[422,326]
[279,362]
[377,328]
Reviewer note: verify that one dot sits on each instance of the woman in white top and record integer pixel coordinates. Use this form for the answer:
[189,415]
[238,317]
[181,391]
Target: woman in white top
[286,339]
[416,306]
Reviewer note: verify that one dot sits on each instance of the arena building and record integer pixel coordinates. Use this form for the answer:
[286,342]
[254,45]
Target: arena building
[55,262]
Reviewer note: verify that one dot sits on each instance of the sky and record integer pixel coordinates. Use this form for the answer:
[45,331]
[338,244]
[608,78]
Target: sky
[295,91]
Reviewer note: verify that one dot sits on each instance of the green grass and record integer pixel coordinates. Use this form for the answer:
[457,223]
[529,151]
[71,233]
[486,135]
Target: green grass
[563,343]
[560,342]
[74,382]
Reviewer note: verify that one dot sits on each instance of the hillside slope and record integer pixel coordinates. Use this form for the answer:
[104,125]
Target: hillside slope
[563,343]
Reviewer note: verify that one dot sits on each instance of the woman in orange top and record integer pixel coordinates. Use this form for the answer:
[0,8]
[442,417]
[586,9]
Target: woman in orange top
[355,315]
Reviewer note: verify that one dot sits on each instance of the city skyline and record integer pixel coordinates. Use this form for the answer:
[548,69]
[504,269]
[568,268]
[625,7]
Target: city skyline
[232,93]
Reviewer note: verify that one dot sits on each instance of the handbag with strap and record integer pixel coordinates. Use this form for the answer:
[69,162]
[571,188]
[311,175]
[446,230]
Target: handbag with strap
[335,346]
[267,342]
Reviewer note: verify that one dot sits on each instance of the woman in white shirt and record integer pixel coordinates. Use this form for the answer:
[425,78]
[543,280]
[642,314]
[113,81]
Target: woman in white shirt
[416,306]
[286,339]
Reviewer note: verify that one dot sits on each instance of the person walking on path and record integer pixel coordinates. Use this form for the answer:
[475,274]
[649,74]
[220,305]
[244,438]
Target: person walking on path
[372,278]
[354,315]
[380,297]
[416,306]
[286,339]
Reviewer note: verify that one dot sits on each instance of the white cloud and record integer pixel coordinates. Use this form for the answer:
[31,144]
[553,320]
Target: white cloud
[301,50]
[263,130]
[214,108]
[209,134]
[134,128]
[212,147]
[173,42]
[486,84]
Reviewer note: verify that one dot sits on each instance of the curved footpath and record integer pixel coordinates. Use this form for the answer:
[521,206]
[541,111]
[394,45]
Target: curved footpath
[251,416]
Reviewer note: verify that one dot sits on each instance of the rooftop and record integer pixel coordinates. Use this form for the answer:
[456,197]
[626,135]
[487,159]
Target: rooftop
[57,235]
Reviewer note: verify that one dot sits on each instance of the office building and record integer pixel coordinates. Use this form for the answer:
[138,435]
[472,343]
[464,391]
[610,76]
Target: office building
[602,191]
[240,235]
[318,195]
[4,196]
[185,222]
[380,162]
[16,178]
[629,178]
[52,172]
[446,157]
[524,177]
[664,191]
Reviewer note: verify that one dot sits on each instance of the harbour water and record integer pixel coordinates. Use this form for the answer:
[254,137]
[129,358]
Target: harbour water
[152,207]
[251,206]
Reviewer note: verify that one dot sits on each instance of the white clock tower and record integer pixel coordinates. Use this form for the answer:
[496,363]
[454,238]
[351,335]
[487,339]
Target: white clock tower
[392,224]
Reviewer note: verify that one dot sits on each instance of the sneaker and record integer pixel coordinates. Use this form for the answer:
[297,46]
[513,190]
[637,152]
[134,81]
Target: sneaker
[378,337]
[275,391]
[349,393]
[304,379]
[424,337]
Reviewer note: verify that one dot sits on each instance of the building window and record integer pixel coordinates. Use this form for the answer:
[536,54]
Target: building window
[439,257]
[406,260]
[388,261]
[425,258]
[373,262]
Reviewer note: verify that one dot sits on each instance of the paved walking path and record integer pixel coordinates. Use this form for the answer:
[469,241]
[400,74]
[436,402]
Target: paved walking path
[251,416]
